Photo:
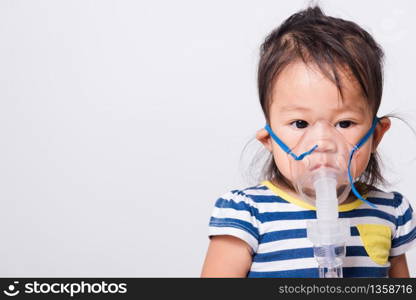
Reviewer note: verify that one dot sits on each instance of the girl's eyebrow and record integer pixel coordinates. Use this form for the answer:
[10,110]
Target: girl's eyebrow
[356,108]
[293,107]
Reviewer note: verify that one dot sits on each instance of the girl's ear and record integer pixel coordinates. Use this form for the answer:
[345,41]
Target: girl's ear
[381,129]
[263,137]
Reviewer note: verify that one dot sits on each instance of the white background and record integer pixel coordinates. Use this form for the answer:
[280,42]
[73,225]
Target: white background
[121,122]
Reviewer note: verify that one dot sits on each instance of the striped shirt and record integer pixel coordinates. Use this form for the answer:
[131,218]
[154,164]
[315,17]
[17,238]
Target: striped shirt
[274,224]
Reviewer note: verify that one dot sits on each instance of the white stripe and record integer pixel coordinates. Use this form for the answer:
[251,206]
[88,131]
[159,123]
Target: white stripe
[382,195]
[241,234]
[284,245]
[279,207]
[242,215]
[403,248]
[284,265]
[259,192]
[403,207]
[282,225]
[354,241]
[406,228]
[299,224]
[239,198]
[371,220]
[296,243]
[361,261]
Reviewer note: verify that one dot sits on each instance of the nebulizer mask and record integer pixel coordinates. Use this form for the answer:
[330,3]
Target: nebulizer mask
[321,165]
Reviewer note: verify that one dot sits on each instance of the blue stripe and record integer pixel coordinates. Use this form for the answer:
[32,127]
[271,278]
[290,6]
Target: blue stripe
[282,235]
[356,251]
[283,255]
[354,231]
[398,198]
[395,202]
[260,198]
[256,187]
[406,217]
[268,199]
[296,234]
[299,273]
[286,215]
[404,239]
[235,223]
[239,193]
[365,271]
[367,212]
[223,203]
[302,253]
[242,192]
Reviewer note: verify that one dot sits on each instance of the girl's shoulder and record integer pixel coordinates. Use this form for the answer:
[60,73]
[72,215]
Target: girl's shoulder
[383,198]
[250,194]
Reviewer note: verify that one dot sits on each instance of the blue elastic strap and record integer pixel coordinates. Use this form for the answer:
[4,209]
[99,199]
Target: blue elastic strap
[356,147]
[286,148]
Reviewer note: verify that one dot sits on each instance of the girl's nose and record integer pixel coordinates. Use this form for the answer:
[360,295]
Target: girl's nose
[324,136]
[326,145]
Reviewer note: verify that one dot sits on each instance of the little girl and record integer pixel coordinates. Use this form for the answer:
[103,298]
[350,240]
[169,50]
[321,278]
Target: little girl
[314,69]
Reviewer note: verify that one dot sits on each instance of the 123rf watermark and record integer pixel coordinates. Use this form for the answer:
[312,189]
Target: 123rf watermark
[64,288]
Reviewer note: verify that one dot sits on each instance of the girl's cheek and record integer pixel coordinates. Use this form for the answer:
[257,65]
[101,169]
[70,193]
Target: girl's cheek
[361,161]
[281,160]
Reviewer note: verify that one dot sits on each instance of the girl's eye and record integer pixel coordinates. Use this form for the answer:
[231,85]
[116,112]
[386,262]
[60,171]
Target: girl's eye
[300,124]
[345,124]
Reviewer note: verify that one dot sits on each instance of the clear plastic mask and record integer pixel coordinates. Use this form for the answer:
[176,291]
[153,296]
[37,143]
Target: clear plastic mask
[331,155]
[323,148]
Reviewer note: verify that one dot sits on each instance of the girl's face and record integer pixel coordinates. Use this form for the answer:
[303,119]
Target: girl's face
[302,96]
